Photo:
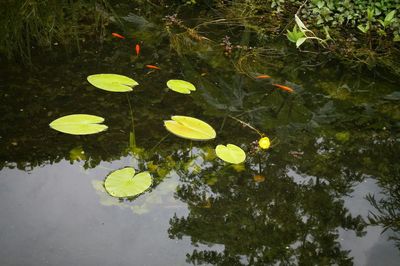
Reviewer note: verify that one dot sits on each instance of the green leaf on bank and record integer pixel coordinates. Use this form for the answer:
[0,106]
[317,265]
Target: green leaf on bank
[112,82]
[79,124]
[300,42]
[190,128]
[230,153]
[299,23]
[181,86]
[295,34]
[363,29]
[124,183]
[389,17]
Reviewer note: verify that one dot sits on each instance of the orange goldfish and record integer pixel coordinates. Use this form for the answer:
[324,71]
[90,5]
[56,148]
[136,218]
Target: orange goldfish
[263,77]
[137,48]
[284,88]
[153,67]
[118,35]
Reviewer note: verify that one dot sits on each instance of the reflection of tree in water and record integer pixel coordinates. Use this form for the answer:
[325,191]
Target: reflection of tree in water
[275,221]
[387,213]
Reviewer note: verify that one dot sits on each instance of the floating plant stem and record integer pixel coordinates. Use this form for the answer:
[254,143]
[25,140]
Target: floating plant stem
[223,124]
[247,125]
[158,143]
[132,136]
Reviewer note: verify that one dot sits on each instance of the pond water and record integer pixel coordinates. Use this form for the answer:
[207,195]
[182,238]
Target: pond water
[326,192]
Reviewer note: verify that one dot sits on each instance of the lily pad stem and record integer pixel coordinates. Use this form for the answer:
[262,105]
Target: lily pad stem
[158,143]
[133,122]
[247,125]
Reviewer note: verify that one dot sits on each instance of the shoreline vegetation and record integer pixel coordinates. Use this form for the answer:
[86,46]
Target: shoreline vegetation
[357,32]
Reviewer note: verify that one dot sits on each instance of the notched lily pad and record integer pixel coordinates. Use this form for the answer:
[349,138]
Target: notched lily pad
[190,128]
[124,183]
[112,82]
[230,153]
[79,124]
[181,86]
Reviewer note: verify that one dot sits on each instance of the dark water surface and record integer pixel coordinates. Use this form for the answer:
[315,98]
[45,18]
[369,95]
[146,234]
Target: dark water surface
[308,200]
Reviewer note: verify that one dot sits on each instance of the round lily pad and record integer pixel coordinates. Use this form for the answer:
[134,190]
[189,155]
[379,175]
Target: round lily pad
[79,124]
[230,153]
[112,82]
[181,86]
[190,128]
[124,183]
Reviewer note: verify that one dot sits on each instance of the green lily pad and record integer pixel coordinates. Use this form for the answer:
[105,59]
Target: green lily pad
[124,183]
[230,153]
[181,86]
[112,82]
[190,128]
[79,124]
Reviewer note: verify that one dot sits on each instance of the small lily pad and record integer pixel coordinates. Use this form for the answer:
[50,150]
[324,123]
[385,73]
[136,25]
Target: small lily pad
[112,82]
[79,124]
[190,128]
[124,183]
[181,86]
[230,153]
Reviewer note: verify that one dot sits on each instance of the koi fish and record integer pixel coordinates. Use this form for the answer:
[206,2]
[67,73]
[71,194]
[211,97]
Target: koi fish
[263,77]
[153,67]
[284,88]
[137,48]
[118,35]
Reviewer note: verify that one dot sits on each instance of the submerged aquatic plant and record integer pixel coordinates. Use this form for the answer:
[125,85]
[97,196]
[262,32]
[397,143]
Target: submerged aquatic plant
[30,24]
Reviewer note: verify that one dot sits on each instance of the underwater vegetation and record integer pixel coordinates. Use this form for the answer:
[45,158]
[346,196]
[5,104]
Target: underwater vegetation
[36,26]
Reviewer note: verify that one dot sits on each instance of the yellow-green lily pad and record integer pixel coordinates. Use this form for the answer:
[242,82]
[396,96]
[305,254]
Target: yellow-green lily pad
[112,82]
[124,183]
[190,128]
[181,86]
[230,153]
[79,124]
